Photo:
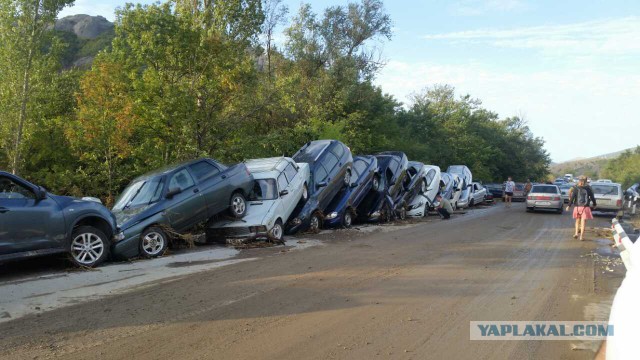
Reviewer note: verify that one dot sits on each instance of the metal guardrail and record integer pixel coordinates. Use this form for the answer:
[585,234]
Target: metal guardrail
[624,244]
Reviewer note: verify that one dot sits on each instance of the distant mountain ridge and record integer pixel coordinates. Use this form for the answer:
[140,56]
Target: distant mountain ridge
[585,166]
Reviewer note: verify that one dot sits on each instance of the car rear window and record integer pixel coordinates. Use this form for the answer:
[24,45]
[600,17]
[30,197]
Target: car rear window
[309,153]
[545,189]
[605,189]
[203,170]
[519,187]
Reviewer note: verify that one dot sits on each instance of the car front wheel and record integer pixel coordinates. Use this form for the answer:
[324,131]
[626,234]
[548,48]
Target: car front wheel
[89,246]
[314,222]
[153,242]
[237,205]
[347,219]
[277,232]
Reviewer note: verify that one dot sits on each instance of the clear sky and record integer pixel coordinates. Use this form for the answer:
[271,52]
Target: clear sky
[570,67]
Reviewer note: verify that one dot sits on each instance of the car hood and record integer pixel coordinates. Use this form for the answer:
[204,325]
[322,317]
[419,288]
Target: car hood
[128,217]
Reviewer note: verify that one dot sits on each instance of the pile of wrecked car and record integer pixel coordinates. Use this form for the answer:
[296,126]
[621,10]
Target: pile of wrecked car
[321,186]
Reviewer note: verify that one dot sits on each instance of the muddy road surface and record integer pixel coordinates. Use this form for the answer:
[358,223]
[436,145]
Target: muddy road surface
[406,291]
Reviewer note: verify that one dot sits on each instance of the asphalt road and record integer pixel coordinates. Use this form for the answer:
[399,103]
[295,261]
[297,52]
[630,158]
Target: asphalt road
[407,291]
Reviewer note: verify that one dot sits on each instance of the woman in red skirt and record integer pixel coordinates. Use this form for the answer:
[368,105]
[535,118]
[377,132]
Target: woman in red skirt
[582,196]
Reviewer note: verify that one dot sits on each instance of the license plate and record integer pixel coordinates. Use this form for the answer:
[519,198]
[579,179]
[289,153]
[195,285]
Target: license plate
[543,203]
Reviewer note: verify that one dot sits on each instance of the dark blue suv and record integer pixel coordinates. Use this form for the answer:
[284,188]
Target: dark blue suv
[34,222]
[330,164]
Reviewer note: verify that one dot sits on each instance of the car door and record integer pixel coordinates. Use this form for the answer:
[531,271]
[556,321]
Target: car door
[295,188]
[28,223]
[209,179]
[334,178]
[282,204]
[321,176]
[188,207]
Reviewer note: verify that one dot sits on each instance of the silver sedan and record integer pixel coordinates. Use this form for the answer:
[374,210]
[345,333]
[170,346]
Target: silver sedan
[545,197]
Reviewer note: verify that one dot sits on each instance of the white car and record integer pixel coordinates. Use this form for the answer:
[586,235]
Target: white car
[457,191]
[420,205]
[280,185]
[609,196]
[478,195]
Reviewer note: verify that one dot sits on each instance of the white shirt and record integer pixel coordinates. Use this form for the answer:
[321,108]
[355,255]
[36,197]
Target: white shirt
[509,186]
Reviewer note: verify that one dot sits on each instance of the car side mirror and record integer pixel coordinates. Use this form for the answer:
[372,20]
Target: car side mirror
[41,193]
[353,185]
[322,184]
[173,192]
[284,192]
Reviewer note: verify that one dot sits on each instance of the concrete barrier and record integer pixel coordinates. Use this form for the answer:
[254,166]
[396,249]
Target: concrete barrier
[624,244]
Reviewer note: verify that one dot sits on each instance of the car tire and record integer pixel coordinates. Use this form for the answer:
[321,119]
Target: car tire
[347,178]
[472,202]
[375,183]
[89,247]
[560,210]
[529,209]
[276,233]
[315,222]
[386,214]
[153,242]
[305,193]
[347,219]
[237,205]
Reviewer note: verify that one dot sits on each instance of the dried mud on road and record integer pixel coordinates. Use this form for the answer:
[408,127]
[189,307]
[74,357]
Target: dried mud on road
[405,291]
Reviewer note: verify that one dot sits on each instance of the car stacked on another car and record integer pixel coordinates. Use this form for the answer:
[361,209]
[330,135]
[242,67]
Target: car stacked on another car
[382,205]
[466,179]
[280,186]
[423,202]
[545,197]
[34,222]
[177,197]
[365,180]
[330,166]
[609,196]
[457,191]
[399,182]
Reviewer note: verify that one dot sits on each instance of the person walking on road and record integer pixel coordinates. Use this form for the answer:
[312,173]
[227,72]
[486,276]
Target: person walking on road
[582,196]
[444,208]
[509,187]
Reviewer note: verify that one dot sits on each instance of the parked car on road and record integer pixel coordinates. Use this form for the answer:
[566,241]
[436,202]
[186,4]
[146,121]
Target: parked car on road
[34,222]
[330,166]
[280,185]
[423,202]
[365,179]
[177,197]
[519,193]
[478,195]
[609,196]
[565,190]
[489,198]
[545,197]
[496,190]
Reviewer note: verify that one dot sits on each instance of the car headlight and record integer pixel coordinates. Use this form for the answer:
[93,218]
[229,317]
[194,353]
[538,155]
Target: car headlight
[296,221]
[417,206]
[333,215]
[375,214]
[258,229]
[119,236]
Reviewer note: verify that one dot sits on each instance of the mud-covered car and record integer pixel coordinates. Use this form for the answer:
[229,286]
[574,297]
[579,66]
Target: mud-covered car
[330,166]
[34,222]
[478,194]
[280,186]
[177,197]
[365,179]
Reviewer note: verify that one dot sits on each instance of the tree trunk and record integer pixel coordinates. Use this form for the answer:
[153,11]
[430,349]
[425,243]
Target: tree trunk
[25,92]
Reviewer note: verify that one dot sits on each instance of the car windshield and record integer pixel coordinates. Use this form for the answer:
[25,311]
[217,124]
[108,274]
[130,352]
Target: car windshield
[142,192]
[605,189]
[565,187]
[544,189]
[265,189]
[519,187]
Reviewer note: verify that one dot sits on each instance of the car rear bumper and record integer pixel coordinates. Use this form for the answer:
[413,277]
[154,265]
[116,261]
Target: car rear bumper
[545,204]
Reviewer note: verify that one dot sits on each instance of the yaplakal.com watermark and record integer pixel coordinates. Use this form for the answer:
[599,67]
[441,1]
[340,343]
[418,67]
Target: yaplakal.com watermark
[540,330]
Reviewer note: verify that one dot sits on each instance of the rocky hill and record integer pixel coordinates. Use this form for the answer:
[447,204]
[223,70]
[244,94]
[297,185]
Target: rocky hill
[85,36]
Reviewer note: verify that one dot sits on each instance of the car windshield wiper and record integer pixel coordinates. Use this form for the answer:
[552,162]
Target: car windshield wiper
[128,204]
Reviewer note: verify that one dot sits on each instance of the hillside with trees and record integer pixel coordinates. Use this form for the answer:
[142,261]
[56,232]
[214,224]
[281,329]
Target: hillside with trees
[186,79]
